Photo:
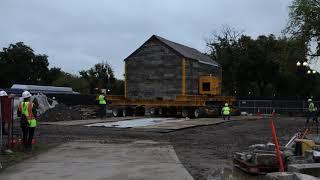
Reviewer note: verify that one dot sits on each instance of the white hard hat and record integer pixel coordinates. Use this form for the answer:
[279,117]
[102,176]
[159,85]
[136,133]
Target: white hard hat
[3,93]
[309,100]
[26,94]
[226,104]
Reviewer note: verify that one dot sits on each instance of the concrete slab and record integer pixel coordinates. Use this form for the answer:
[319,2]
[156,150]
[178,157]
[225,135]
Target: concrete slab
[88,121]
[142,122]
[288,176]
[312,169]
[97,161]
[168,123]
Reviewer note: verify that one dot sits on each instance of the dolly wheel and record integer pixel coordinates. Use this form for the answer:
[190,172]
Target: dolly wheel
[185,112]
[124,112]
[115,112]
[197,113]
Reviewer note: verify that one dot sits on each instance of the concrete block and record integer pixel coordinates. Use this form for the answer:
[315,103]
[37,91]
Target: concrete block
[312,169]
[308,155]
[288,176]
[265,147]
[316,156]
[316,147]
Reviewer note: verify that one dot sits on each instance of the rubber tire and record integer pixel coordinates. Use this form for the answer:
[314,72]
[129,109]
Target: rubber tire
[139,111]
[197,113]
[185,112]
[124,112]
[162,111]
[116,112]
[153,111]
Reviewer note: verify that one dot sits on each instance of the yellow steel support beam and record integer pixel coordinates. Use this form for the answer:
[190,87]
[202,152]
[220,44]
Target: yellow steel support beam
[183,76]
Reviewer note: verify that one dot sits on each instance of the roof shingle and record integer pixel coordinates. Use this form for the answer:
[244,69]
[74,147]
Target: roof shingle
[188,52]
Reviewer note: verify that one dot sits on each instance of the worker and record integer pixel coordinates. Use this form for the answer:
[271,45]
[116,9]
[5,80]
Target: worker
[226,111]
[311,111]
[102,104]
[27,110]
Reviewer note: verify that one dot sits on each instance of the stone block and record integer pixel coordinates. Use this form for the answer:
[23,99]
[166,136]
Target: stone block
[312,169]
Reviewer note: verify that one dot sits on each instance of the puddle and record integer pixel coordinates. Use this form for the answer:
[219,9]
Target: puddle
[233,174]
[136,122]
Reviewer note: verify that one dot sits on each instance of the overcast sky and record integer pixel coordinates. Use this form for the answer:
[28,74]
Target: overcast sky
[77,34]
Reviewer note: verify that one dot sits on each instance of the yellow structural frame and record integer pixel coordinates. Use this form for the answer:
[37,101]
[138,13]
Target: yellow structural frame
[214,85]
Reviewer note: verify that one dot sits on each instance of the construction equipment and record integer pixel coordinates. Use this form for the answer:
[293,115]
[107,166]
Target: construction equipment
[208,102]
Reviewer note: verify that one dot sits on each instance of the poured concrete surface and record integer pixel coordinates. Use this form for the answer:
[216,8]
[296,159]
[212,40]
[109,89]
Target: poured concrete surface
[137,122]
[96,161]
[312,169]
[88,121]
[288,176]
[167,123]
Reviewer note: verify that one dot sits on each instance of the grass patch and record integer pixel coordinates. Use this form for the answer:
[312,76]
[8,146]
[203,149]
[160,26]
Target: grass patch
[19,154]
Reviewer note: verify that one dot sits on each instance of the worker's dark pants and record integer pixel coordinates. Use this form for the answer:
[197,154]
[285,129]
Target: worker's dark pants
[310,115]
[102,110]
[224,117]
[27,134]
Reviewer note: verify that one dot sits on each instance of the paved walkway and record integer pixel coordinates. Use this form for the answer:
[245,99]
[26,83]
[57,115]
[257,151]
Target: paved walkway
[81,160]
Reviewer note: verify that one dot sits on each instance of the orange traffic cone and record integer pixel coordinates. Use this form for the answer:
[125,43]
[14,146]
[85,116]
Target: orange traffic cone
[273,113]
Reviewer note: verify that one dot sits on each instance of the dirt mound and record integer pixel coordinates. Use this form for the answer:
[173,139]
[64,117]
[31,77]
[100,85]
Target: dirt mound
[62,112]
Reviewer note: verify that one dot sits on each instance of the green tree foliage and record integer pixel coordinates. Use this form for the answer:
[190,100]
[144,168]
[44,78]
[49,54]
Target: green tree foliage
[19,64]
[77,83]
[304,22]
[265,66]
[54,74]
[100,76]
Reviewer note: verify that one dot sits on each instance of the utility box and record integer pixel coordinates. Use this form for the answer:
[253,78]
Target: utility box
[162,69]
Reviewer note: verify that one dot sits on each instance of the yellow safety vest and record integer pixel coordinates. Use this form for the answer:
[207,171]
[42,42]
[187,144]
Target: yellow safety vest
[226,110]
[26,109]
[312,108]
[102,100]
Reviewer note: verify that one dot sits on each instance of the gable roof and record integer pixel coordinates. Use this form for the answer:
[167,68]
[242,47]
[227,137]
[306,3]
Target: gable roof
[184,51]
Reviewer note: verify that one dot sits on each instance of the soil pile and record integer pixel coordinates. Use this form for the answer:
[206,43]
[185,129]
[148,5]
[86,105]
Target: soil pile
[62,112]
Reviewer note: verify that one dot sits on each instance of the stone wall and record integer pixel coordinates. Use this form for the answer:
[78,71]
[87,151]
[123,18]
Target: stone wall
[154,72]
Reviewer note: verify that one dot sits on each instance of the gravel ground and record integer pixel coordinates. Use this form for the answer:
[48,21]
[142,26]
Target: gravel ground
[202,149]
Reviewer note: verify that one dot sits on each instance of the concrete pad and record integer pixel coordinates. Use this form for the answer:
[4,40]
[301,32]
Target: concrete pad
[312,169]
[88,121]
[97,161]
[142,122]
[288,176]
[168,123]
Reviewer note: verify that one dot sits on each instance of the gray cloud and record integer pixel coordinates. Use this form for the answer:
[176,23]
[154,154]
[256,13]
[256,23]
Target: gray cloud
[76,34]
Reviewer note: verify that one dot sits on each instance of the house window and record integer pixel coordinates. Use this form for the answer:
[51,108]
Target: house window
[206,86]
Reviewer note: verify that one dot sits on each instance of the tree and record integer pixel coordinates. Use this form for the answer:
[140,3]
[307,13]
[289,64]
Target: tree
[19,64]
[77,83]
[54,74]
[100,76]
[265,66]
[304,23]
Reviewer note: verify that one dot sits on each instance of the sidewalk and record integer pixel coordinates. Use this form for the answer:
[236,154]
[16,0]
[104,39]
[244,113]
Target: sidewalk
[84,160]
